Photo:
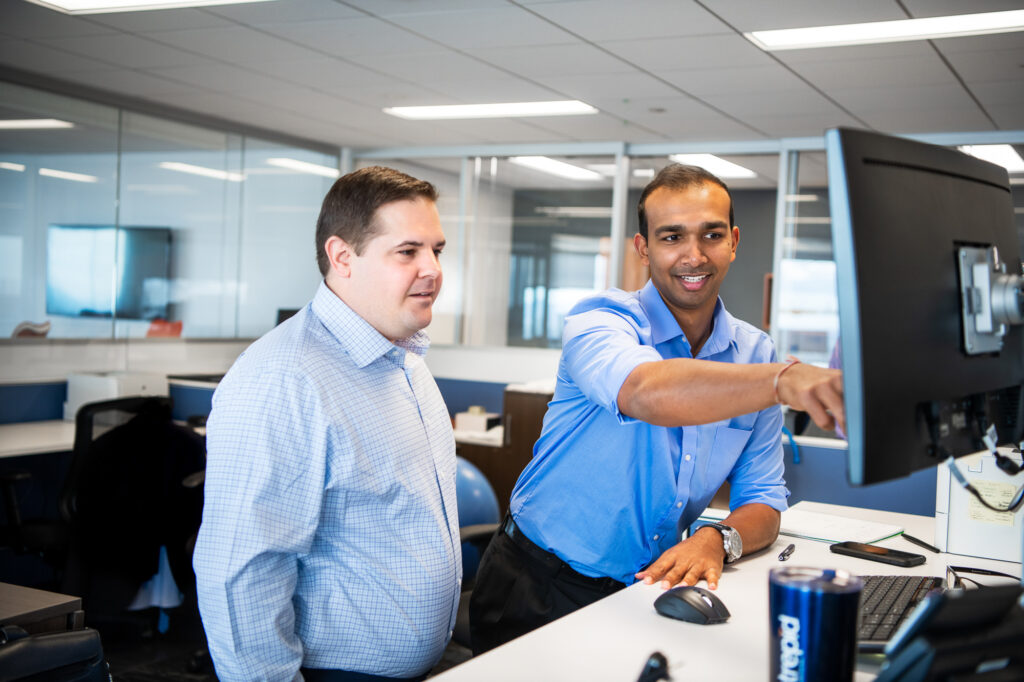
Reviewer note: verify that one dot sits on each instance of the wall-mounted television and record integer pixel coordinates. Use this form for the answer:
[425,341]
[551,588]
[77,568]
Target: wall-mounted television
[108,271]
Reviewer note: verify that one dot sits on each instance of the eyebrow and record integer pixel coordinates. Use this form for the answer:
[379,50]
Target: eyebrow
[704,227]
[413,242]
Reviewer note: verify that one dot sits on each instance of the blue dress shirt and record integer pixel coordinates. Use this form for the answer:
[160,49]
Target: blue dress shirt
[608,493]
[330,532]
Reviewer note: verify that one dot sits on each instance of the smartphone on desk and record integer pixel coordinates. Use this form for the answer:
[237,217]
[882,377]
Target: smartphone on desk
[876,553]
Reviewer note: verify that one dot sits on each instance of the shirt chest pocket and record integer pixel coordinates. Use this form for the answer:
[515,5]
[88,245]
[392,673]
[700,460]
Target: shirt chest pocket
[726,448]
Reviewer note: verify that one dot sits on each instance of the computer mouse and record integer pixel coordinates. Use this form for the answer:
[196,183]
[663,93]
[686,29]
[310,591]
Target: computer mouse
[692,604]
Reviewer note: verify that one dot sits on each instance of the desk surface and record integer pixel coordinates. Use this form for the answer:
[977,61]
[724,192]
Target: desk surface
[37,610]
[612,639]
[33,438]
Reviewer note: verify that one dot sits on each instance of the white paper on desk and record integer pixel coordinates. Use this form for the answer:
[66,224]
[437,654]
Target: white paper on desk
[822,527]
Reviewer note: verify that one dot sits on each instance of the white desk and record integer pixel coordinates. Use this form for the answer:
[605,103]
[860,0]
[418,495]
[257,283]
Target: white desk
[612,639]
[34,438]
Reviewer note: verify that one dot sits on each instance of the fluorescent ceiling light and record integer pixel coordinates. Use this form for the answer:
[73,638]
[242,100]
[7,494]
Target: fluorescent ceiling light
[7,165]
[809,220]
[553,167]
[102,6]
[67,175]
[305,167]
[888,31]
[202,170]
[714,164]
[33,123]
[1000,154]
[794,198]
[608,170]
[576,211]
[507,110]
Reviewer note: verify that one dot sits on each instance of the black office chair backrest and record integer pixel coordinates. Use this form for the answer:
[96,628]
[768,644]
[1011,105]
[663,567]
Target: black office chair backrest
[93,420]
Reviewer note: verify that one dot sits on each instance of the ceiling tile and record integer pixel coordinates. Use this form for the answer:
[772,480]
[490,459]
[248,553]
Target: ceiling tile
[434,64]
[926,120]
[43,58]
[999,93]
[162,20]
[803,125]
[489,27]
[218,77]
[904,98]
[864,73]
[134,84]
[127,50]
[234,44]
[552,60]
[751,79]
[260,13]
[693,52]
[601,20]
[919,48]
[355,36]
[741,104]
[620,86]
[744,15]
[504,89]
[982,66]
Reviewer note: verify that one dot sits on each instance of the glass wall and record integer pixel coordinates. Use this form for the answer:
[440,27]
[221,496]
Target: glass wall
[116,224]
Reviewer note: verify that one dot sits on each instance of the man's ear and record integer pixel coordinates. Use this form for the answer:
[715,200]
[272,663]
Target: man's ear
[735,241]
[640,244]
[339,256]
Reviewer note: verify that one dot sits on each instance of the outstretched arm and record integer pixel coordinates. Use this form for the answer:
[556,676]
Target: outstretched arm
[684,391]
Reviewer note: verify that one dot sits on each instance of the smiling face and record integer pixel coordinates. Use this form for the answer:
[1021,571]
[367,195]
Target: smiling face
[394,282]
[689,247]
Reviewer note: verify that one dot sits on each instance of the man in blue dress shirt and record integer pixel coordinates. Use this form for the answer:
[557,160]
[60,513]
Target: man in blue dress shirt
[661,397]
[329,546]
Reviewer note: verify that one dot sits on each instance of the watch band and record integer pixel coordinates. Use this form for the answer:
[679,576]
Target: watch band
[731,541]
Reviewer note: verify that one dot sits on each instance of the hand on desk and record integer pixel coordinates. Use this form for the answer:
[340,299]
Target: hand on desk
[700,556]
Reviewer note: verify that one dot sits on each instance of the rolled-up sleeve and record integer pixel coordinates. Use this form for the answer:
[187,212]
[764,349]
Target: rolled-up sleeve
[601,347]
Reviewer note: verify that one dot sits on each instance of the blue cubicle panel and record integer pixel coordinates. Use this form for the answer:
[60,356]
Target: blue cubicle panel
[821,477]
[32,402]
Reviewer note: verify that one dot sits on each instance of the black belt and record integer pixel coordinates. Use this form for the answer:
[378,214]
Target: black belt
[555,565]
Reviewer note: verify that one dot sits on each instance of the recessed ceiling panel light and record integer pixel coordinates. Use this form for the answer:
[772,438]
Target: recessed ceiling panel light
[33,123]
[795,198]
[553,167]
[576,211]
[714,164]
[1000,154]
[103,6]
[7,165]
[67,175]
[202,170]
[304,167]
[507,110]
[888,31]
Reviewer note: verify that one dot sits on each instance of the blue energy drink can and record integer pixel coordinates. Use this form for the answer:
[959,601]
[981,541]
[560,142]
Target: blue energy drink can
[813,631]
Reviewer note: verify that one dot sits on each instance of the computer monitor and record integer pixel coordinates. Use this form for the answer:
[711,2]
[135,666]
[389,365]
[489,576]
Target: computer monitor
[929,356]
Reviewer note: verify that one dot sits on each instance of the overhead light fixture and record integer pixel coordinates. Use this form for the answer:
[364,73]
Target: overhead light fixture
[304,167]
[576,211]
[554,167]
[714,164]
[33,124]
[67,175]
[104,6]
[1000,154]
[608,170]
[796,198]
[888,31]
[507,110]
[202,170]
[7,165]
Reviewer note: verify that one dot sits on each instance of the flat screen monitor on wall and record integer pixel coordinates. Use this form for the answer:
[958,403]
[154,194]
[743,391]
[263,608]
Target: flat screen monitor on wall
[108,271]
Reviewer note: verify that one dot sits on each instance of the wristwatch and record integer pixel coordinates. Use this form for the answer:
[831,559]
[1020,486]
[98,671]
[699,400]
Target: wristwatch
[730,540]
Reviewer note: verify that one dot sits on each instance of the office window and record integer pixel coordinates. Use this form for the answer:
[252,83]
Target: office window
[60,176]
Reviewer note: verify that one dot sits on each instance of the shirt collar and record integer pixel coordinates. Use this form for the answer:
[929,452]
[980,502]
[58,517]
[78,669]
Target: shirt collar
[360,340]
[664,326]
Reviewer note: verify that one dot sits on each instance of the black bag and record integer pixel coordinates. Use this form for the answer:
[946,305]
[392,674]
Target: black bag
[70,656]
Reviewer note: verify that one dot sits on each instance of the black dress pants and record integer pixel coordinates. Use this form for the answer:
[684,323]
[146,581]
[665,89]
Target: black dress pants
[520,587]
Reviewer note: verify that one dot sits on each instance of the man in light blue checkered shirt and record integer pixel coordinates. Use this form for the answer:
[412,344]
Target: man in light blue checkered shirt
[329,546]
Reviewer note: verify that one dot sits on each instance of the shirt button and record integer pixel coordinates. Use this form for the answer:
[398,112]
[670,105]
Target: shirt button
[679,504]
[688,458]
[656,537]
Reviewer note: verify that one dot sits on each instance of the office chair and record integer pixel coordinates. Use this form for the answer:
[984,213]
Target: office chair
[122,499]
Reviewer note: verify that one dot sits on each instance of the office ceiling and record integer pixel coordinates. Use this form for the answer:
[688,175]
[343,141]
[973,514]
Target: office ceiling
[658,70]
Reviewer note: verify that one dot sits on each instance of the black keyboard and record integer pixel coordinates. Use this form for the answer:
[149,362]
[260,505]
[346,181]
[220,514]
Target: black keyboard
[885,601]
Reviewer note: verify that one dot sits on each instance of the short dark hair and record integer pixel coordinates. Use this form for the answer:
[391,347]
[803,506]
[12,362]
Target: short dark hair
[680,176]
[350,208]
